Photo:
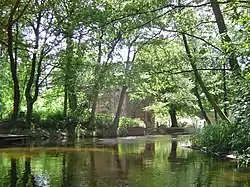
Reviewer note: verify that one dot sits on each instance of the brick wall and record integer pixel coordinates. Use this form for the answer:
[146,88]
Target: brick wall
[108,102]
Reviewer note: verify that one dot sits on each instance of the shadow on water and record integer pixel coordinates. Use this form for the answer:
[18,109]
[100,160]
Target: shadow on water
[136,162]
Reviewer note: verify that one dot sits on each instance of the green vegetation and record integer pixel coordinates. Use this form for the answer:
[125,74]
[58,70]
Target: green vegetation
[103,124]
[223,139]
[58,58]
[215,138]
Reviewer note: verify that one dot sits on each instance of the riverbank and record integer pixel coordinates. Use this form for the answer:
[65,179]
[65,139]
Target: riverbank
[224,139]
[20,128]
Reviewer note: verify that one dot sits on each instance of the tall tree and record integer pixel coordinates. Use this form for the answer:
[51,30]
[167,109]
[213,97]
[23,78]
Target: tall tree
[129,62]
[203,112]
[101,68]
[203,86]
[16,12]
[46,38]
[225,37]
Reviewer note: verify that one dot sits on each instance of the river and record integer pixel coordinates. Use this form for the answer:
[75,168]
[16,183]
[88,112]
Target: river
[153,161]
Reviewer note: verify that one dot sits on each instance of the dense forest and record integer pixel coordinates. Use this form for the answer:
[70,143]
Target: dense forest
[189,56]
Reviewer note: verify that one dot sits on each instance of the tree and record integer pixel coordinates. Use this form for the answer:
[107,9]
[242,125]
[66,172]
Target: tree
[225,37]
[199,79]
[71,50]
[172,92]
[13,17]
[125,85]
[100,70]
[41,25]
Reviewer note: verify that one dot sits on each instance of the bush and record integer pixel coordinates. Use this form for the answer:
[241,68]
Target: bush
[128,122]
[240,106]
[215,138]
[58,121]
[223,138]
[244,158]
[103,121]
[241,138]
[36,118]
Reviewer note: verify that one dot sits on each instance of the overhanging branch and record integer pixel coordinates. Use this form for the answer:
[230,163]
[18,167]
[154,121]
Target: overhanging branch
[171,72]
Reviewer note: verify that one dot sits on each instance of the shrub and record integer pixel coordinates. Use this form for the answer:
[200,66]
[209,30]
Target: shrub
[36,118]
[222,138]
[241,102]
[244,158]
[58,121]
[128,122]
[215,138]
[241,138]
[103,121]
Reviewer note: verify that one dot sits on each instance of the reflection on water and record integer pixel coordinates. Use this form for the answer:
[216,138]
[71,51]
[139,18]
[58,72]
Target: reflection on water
[143,162]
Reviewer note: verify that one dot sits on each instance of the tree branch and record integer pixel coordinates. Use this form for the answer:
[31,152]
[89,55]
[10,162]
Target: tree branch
[173,6]
[22,12]
[188,71]
[193,36]
[47,75]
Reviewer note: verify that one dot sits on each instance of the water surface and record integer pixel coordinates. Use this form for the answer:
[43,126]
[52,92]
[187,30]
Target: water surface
[132,162]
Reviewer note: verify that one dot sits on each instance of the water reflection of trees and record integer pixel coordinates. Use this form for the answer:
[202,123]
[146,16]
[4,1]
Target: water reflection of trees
[149,163]
[93,176]
[13,173]
[173,154]
[118,162]
[63,180]
[26,179]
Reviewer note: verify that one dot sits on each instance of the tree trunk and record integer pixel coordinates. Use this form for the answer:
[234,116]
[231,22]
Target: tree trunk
[225,90]
[70,73]
[35,73]
[13,62]
[65,102]
[115,124]
[16,98]
[29,100]
[202,84]
[172,112]
[93,110]
[96,87]
[72,100]
[128,65]
[203,113]
[215,116]
[224,36]
[29,111]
